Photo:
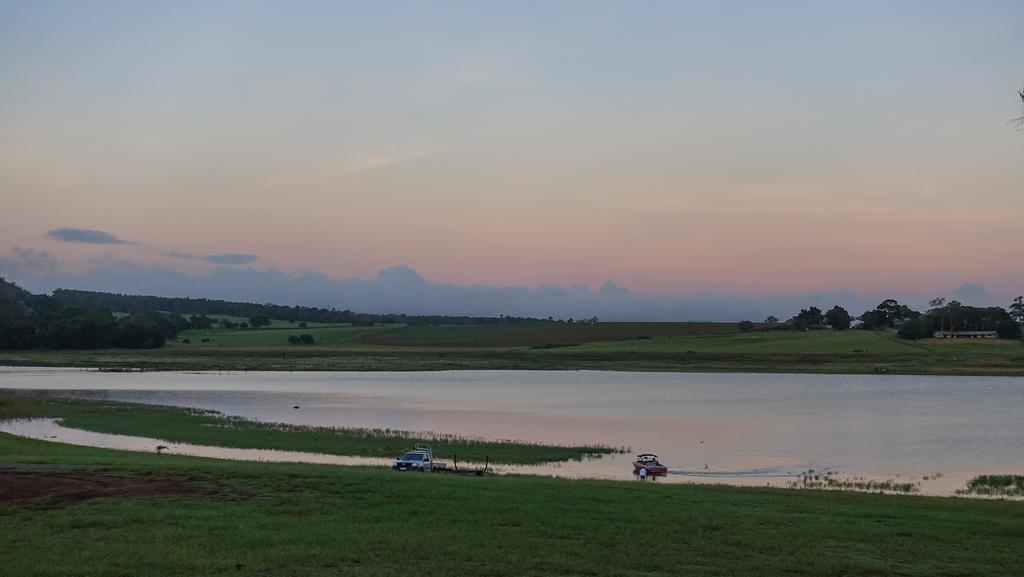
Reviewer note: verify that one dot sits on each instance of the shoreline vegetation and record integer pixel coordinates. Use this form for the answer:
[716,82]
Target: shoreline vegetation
[205,427]
[995,486]
[69,509]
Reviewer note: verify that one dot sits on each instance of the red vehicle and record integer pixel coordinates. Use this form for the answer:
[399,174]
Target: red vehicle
[650,462]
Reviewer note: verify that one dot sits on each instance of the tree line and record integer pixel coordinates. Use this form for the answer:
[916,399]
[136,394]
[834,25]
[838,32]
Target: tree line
[942,315]
[192,306]
[30,321]
[76,319]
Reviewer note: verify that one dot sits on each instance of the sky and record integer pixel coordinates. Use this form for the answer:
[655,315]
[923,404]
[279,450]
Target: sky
[705,156]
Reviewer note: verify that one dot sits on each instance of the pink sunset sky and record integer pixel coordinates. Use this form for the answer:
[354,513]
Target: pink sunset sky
[673,148]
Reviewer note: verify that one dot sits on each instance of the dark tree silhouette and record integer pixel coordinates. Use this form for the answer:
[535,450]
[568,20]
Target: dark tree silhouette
[838,318]
[1019,121]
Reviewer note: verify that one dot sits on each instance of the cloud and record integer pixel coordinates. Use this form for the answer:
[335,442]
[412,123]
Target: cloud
[28,262]
[230,258]
[373,161]
[85,235]
[972,294]
[401,289]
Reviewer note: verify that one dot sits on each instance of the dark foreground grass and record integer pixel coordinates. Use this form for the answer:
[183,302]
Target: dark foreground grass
[201,427]
[291,520]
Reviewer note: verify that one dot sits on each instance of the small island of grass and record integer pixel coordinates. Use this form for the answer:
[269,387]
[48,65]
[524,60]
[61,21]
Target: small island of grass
[204,427]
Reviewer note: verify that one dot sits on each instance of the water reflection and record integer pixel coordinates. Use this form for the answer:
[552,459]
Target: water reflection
[736,428]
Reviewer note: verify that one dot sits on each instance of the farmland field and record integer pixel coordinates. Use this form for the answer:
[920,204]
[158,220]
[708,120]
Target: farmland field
[274,336]
[539,334]
[712,347]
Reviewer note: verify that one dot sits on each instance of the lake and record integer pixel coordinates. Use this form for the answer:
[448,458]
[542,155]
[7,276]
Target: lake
[736,428]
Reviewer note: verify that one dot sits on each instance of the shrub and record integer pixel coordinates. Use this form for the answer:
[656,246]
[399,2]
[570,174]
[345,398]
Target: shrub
[1008,329]
[914,329]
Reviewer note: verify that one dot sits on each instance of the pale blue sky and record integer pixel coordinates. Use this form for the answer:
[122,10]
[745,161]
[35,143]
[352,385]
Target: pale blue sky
[741,147]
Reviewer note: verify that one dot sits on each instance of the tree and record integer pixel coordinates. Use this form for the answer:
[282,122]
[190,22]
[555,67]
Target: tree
[1008,329]
[259,321]
[887,314]
[917,328]
[890,309]
[1017,309]
[807,318]
[200,322]
[140,331]
[306,338]
[771,320]
[745,326]
[955,316]
[838,318]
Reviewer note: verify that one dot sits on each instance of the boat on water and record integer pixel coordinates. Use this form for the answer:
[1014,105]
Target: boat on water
[650,462]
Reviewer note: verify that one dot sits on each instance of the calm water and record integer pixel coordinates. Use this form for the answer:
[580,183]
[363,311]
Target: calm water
[743,428]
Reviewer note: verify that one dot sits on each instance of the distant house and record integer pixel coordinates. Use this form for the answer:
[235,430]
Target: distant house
[966,334]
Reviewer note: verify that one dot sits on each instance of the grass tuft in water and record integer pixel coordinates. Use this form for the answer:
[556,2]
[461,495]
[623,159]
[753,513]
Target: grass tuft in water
[995,485]
[854,484]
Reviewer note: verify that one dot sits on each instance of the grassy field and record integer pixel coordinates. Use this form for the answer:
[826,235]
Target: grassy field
[852,342]
[210,428]
[274,323]
[539,335]
[708,347]
[324,336]
[68,510]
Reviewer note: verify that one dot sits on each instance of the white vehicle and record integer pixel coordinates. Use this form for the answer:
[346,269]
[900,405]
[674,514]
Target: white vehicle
[419,459]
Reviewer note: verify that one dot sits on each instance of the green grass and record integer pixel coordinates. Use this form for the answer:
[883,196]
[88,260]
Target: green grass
[773,342]
[325,336]
[274,323]
[201,427]
[823,343]
[291,520]
[697,347]
[538,334]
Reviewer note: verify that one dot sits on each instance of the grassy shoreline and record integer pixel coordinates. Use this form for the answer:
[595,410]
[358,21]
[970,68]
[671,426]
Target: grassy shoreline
[326,360]
[203,427]
[280,519]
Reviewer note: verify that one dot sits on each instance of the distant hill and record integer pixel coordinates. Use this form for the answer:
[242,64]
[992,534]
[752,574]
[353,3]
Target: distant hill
[192,306]
[12,292]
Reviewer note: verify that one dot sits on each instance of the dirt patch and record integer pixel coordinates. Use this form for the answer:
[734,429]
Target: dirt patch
[70,487]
